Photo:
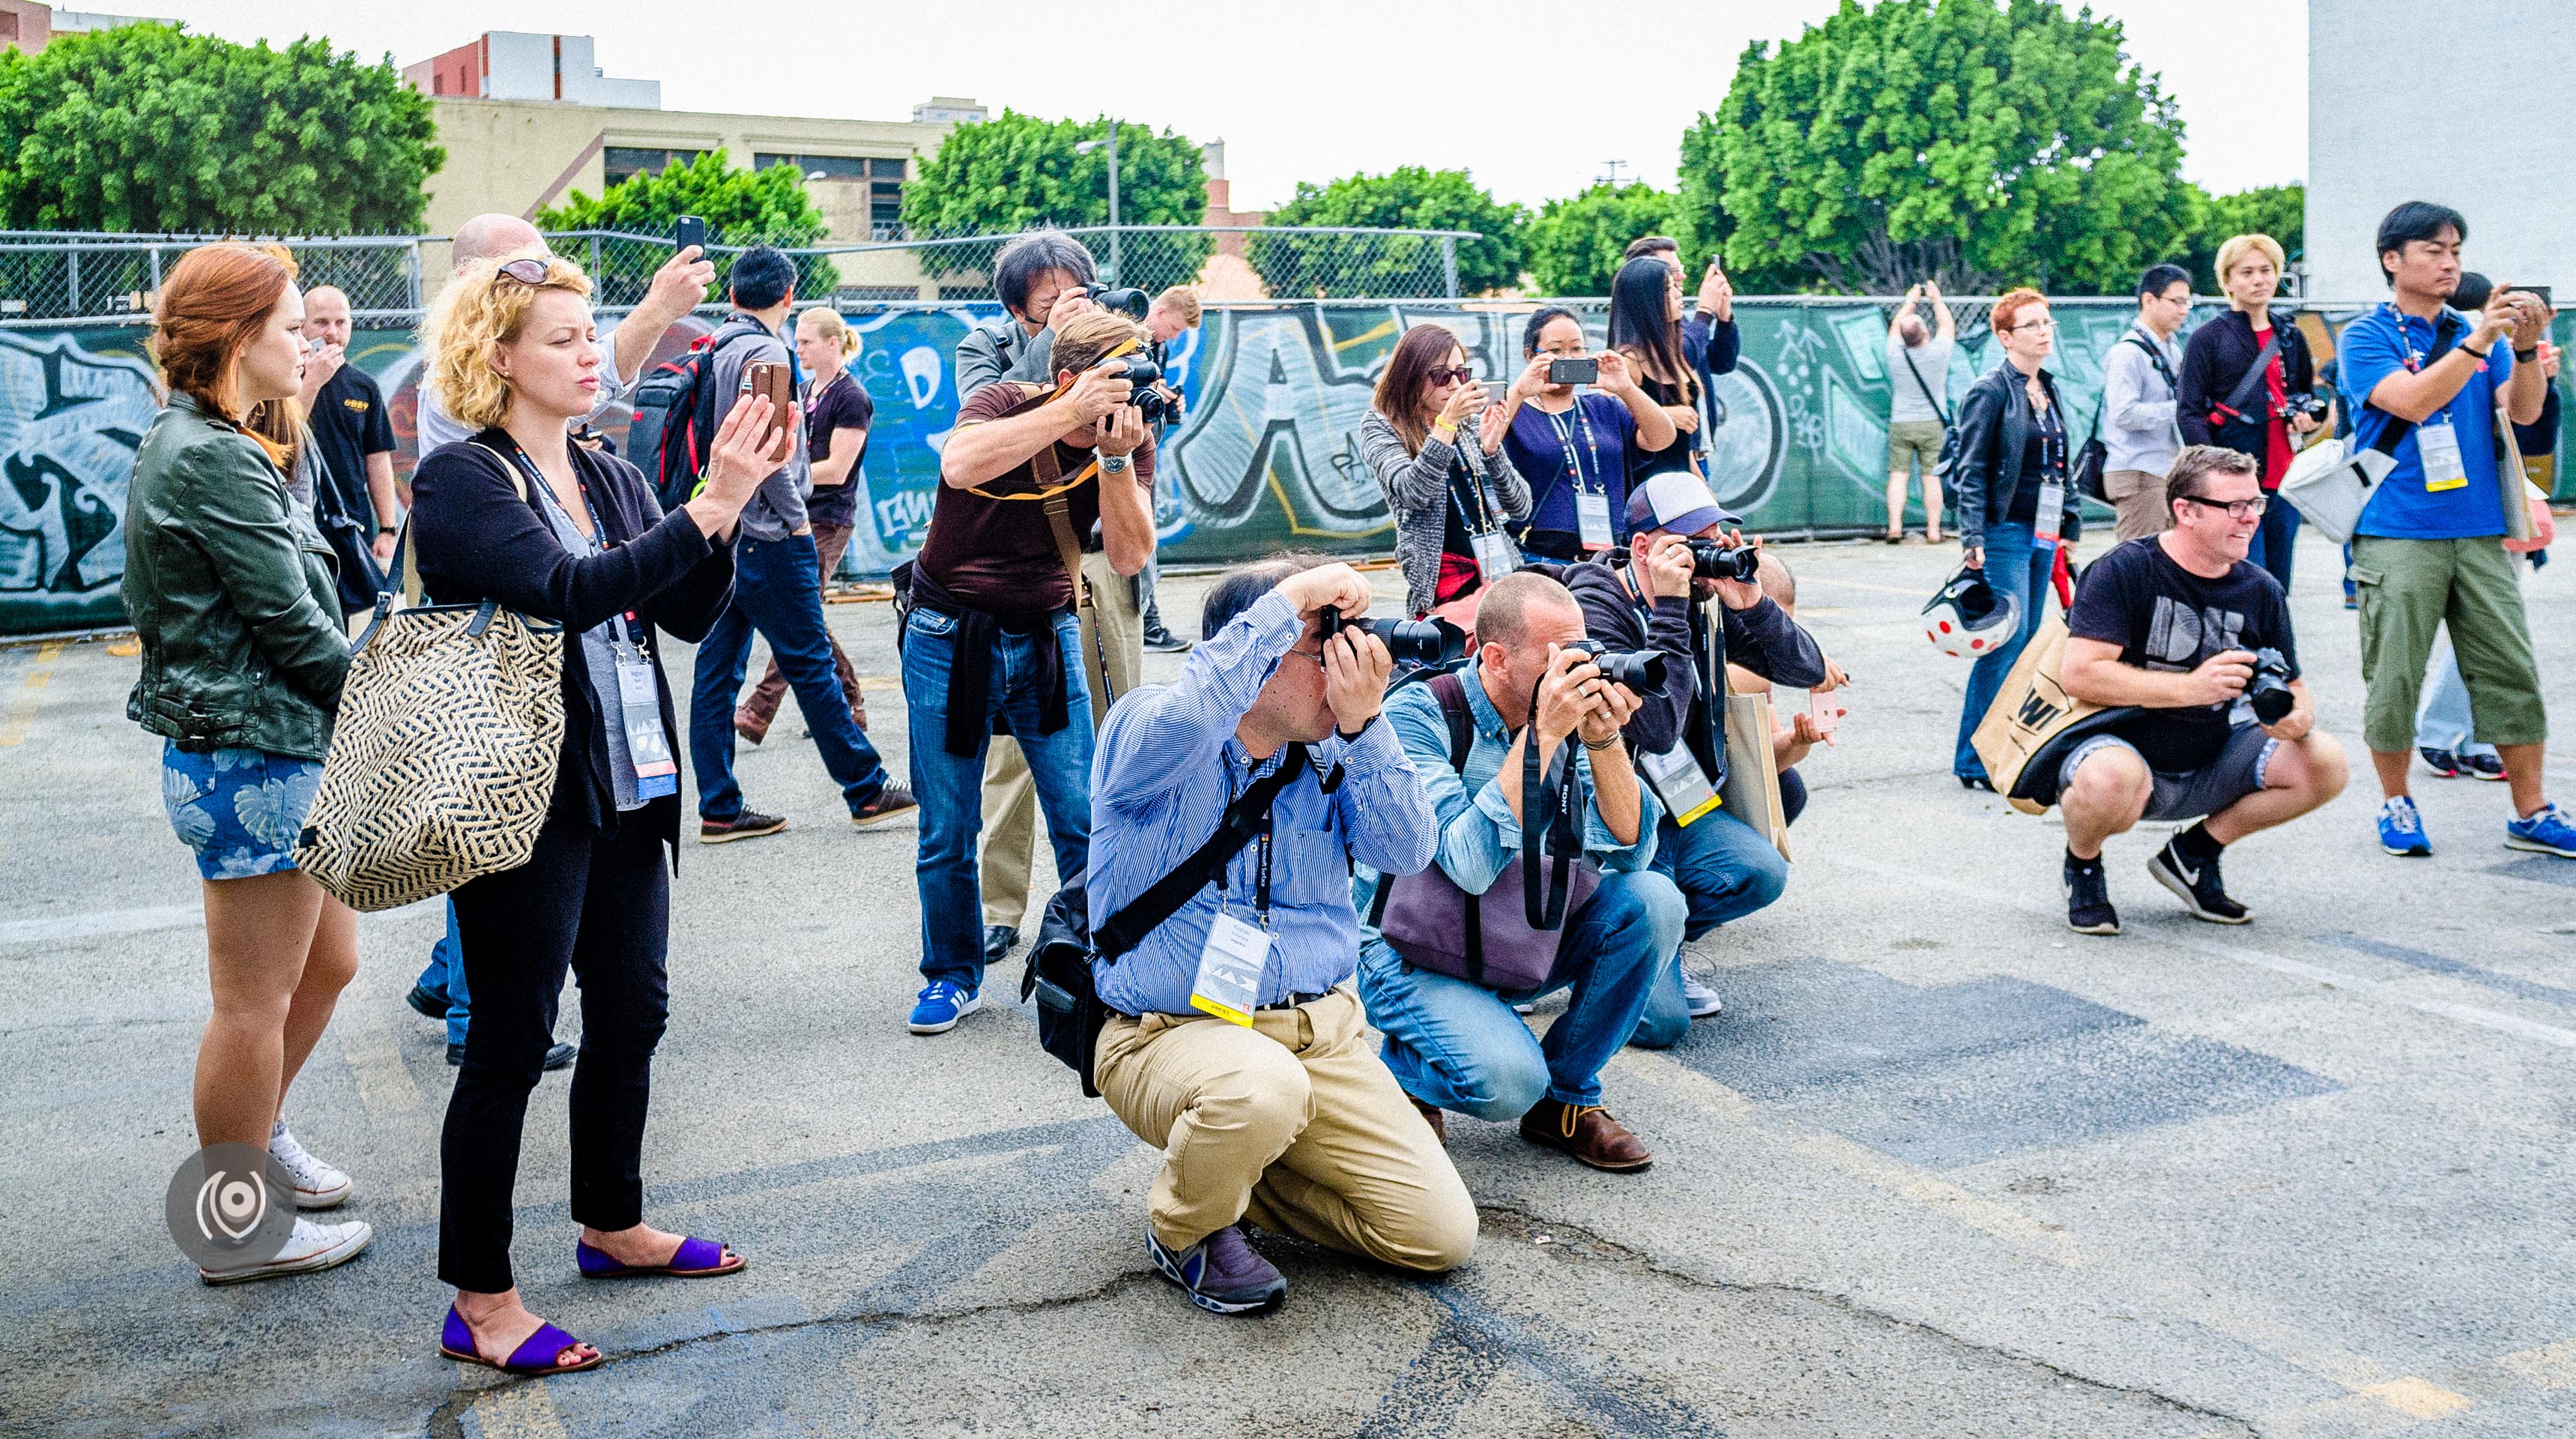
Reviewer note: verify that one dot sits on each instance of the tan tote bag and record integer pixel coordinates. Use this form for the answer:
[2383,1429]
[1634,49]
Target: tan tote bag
[1752,788]
[443,761]
[2030,710]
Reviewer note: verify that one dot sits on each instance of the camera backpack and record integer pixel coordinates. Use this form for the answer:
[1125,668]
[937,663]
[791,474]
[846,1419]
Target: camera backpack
[676,414]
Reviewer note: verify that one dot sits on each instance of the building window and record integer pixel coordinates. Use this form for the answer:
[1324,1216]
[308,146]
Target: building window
[624,162]
[829,167]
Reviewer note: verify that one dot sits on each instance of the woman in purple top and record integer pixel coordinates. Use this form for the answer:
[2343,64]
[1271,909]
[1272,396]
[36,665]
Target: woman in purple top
[1573,445]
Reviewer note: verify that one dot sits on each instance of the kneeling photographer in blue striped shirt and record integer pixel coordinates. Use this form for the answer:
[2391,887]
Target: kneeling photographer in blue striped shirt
[1234,1041]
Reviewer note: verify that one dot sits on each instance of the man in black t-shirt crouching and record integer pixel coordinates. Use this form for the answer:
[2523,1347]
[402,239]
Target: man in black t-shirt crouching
[2171,625]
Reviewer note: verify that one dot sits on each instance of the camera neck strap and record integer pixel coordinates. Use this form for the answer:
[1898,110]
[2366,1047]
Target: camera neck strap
[1550,794]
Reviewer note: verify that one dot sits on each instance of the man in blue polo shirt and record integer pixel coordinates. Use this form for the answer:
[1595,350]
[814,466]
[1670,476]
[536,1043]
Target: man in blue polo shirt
[2430,542]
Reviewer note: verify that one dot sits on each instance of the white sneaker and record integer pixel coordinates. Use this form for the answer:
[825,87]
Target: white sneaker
[317,1185]
[1698,998]
[312,1246]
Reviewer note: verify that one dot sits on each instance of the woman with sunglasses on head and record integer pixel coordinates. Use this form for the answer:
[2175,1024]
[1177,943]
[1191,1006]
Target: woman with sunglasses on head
[1646,326]
[1572,445]
[2011,486]
[231,592]
[1451,496]
[521,516]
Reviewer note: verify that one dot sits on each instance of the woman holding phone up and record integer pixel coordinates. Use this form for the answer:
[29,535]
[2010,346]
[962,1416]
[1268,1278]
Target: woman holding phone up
[1573,445]
[1451,498]
[520,515]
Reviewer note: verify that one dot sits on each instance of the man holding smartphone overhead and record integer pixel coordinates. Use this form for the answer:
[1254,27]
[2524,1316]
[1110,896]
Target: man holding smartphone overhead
[777,590]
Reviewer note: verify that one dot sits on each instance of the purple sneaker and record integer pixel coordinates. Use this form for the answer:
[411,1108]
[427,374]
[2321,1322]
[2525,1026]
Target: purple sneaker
[1221,1273]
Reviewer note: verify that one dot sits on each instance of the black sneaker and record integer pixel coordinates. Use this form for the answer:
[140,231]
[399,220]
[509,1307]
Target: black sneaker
[559,1056]
[892,802]
[1163,642]
[426,1003]
[2088,898]
[2442,762]
[999,940]
[750,824]
[2194,880]
[2482,766]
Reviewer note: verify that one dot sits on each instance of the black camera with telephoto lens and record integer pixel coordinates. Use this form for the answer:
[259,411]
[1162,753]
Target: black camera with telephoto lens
[1131,302]
[1713,561]
[1642,671]
[1155,405]
[2306,402]
[1424,644]
[2269,692]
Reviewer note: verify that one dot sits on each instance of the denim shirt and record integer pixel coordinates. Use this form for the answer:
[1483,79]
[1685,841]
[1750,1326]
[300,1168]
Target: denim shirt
[1166,767]
[1478,834]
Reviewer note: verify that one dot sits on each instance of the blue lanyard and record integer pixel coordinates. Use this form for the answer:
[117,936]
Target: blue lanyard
[1565,441]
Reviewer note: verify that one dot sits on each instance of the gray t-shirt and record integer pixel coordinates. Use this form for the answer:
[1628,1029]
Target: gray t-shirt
[1932,357]
[777,508]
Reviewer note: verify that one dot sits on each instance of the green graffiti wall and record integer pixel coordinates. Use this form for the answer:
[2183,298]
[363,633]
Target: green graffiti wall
[1268,456]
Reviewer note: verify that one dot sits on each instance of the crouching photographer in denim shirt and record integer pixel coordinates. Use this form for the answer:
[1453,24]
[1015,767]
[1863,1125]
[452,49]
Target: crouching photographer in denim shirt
[1234,1040]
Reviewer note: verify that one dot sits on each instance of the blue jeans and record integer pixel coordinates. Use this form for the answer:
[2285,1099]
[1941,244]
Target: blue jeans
[2443,720]
[2276,542]
[1725,871]
[2010,551]
[777,590]
[445,975]
[951,787]
[1459,1046]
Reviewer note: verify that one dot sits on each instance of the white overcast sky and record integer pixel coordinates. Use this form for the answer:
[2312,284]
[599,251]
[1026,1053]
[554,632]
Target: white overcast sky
[1533,98]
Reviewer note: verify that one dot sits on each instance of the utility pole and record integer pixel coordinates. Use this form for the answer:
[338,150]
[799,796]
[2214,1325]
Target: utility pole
[1085,148]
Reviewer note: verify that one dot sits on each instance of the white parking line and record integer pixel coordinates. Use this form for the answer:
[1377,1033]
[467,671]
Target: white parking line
[57,928]
[2278,964]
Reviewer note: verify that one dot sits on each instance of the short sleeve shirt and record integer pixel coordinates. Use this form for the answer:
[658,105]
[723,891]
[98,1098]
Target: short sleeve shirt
[1585,447]
[1908,400]
[349,423]
[994,550]
[2165,618]
[842,404]
[2381,344]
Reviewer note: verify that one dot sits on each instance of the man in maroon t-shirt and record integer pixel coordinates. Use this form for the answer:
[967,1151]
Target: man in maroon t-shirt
[992,643]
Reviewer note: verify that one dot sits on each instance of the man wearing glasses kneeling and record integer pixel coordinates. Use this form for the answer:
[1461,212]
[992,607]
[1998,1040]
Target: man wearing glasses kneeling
[2195,643]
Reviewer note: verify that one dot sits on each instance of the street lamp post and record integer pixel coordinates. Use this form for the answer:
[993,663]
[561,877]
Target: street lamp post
[1085,148]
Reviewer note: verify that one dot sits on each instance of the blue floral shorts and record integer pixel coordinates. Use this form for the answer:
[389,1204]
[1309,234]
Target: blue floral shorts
[241,810]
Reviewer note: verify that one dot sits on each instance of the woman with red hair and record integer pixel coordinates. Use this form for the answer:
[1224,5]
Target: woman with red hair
[231,591]
[2011,484]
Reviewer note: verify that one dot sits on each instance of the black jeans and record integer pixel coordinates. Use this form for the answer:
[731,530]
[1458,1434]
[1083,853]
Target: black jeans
[599,903]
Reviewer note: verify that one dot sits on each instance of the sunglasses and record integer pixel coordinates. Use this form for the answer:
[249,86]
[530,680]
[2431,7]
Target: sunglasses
[2236,509]
[1458,375]
[526,272]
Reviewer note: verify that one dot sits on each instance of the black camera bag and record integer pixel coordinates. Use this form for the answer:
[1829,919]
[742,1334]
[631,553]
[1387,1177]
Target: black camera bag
[1059,967]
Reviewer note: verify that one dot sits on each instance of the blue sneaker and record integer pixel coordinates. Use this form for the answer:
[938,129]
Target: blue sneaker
[2401,829]
[2546,832]
[1221,1273]
[940,1005]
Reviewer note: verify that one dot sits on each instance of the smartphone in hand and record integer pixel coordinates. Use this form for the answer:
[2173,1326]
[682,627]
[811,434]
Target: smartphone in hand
[1584,371]
[689,230]
[772,378]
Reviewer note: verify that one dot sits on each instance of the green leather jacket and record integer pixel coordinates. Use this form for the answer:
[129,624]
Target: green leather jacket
[231,591]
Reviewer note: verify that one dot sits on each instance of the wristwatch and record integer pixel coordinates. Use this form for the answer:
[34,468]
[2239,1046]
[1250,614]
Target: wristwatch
[387,530]
[1112,464]
[2526,356]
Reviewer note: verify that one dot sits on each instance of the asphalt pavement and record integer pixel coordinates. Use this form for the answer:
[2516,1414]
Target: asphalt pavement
[1941,1167]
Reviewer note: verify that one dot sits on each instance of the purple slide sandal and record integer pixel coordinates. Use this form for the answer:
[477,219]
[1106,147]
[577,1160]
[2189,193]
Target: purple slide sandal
[538,1356]
[695,1259]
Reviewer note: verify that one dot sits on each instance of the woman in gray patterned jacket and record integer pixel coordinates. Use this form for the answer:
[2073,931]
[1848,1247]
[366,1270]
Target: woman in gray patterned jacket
[1450,500]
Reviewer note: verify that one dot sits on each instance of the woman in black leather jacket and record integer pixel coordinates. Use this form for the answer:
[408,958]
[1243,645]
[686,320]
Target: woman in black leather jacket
[2012,455]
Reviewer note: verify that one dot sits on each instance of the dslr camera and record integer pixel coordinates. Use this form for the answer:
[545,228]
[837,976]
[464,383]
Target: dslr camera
[1156,404]
[1126,300]
[1642,671]
[2269,691]
[2306,403]
[1423,644]
[1713,561]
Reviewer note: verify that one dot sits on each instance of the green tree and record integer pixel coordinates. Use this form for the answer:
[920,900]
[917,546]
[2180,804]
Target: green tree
[147,128]
[1406,198]
[741,208]
[2280,211]
[1007,174]
[1974,142]
[1576,244]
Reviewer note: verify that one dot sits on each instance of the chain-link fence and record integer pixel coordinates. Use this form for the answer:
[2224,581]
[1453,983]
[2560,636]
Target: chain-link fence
[53,276]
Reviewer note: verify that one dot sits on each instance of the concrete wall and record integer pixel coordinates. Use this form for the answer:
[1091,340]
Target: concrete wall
[2470,113]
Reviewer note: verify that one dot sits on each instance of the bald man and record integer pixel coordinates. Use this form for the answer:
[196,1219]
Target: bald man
[678,287]
[355,438]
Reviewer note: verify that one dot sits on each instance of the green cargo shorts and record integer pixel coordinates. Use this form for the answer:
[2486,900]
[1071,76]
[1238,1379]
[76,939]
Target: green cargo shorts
[2408,590]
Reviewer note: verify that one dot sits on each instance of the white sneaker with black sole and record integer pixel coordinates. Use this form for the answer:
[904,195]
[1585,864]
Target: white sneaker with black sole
[1698,998]
[317,1185]
[311,1247]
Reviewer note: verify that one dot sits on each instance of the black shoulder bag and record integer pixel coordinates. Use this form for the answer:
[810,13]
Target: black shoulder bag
[1059,967]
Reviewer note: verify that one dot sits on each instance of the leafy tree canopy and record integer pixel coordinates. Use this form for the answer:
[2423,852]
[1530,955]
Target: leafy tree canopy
[1975,142]
[1004,175]
[2280,211]
[741,207]
[148,128]
[1575,245]
[1408,197]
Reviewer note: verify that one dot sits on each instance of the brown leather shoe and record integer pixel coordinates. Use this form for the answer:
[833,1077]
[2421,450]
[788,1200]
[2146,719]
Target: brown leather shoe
[1431,1115]
[1588,1133]
[749,725]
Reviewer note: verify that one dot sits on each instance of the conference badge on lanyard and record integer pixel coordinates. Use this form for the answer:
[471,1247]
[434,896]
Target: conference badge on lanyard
[2439,445]
[1592,517]
[1229,982]
[648,749]
[1495,556]
[1679,783]
[2052,512]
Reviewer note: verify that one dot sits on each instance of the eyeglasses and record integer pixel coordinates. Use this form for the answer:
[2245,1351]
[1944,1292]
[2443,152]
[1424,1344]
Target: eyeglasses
[526,272]
[2041,327]
[1460,375]
[2236,509]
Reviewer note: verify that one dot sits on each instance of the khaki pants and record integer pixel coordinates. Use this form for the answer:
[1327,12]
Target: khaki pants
[1293,1123]
[2407,590]
[2138,496]
[1010,796]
